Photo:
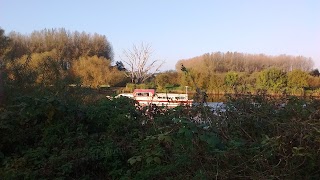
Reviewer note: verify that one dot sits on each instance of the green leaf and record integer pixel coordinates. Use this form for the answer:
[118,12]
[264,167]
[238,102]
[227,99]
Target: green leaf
[149,160]
[132,161]
[167,139]
[161,137]
[138,158]
[203,137]
[176,120]
[188,134]
[1,155]
[181,130]
[157,160]
[212,141]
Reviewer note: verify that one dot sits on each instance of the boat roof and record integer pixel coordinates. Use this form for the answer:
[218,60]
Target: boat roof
[152,91]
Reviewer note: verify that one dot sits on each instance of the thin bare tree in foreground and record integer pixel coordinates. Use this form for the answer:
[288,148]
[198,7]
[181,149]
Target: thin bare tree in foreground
[141,66]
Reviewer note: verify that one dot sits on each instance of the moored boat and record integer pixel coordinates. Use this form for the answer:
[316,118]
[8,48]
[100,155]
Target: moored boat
[147,97]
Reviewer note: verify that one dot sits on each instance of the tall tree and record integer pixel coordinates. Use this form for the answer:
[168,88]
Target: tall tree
[140,62]
[4,44]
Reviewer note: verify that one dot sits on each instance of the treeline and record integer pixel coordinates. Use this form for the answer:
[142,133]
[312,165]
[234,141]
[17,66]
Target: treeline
[272,81]
[52,55]
[242,73]
[68,45]
[240,62]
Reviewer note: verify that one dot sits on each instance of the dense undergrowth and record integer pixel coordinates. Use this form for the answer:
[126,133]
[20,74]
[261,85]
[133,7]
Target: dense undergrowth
[68,134]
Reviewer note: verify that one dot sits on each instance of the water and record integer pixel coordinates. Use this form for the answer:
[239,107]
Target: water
[216,107]
[213,97]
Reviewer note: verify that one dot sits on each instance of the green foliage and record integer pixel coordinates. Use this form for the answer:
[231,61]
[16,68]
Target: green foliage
[297,80]
[66,132]
[273,79]
[54,54]
[275,131]
[95,71]
[69,45]
[49,137]
[130,86]
[4,45]
[166,79]
[216,83]
[231,79]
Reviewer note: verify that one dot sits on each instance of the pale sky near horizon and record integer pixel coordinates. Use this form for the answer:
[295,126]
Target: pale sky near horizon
[179,29]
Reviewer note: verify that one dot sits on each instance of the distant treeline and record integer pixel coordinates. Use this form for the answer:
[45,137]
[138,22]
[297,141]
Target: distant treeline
[241,73]
[271,80]
[69,45]
[51,55]
[241,62]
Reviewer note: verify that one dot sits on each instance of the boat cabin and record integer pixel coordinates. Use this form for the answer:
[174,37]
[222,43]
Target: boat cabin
[149,96]
[144,92]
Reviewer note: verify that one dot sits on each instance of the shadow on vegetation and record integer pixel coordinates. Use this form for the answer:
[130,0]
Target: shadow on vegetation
[49,132]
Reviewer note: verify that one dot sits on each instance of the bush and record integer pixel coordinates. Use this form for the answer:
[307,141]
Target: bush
[70,134]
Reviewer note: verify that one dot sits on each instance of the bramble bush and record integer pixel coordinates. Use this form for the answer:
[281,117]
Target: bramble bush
[253,137]
[58,132]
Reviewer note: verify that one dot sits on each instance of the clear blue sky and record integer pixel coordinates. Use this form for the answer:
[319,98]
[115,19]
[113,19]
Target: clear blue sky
[179,29]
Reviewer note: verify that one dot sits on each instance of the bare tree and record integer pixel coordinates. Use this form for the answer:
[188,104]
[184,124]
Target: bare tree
[141,66]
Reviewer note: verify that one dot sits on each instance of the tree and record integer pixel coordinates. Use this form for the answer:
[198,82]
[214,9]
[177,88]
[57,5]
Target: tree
[68,45]
[4,44]
[314,82]
[216,82]
[141,66]
[120,66]
[93,71]
[231,79]
[240,62]
[272,79]
[315,73]
[297,79]
[162,80]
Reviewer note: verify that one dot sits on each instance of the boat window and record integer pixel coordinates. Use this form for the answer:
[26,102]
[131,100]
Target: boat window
[180,97]
[143,94]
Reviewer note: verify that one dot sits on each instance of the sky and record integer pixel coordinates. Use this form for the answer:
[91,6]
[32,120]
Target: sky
[179,29]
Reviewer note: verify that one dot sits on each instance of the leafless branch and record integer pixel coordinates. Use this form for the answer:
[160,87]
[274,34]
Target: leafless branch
[141,67]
